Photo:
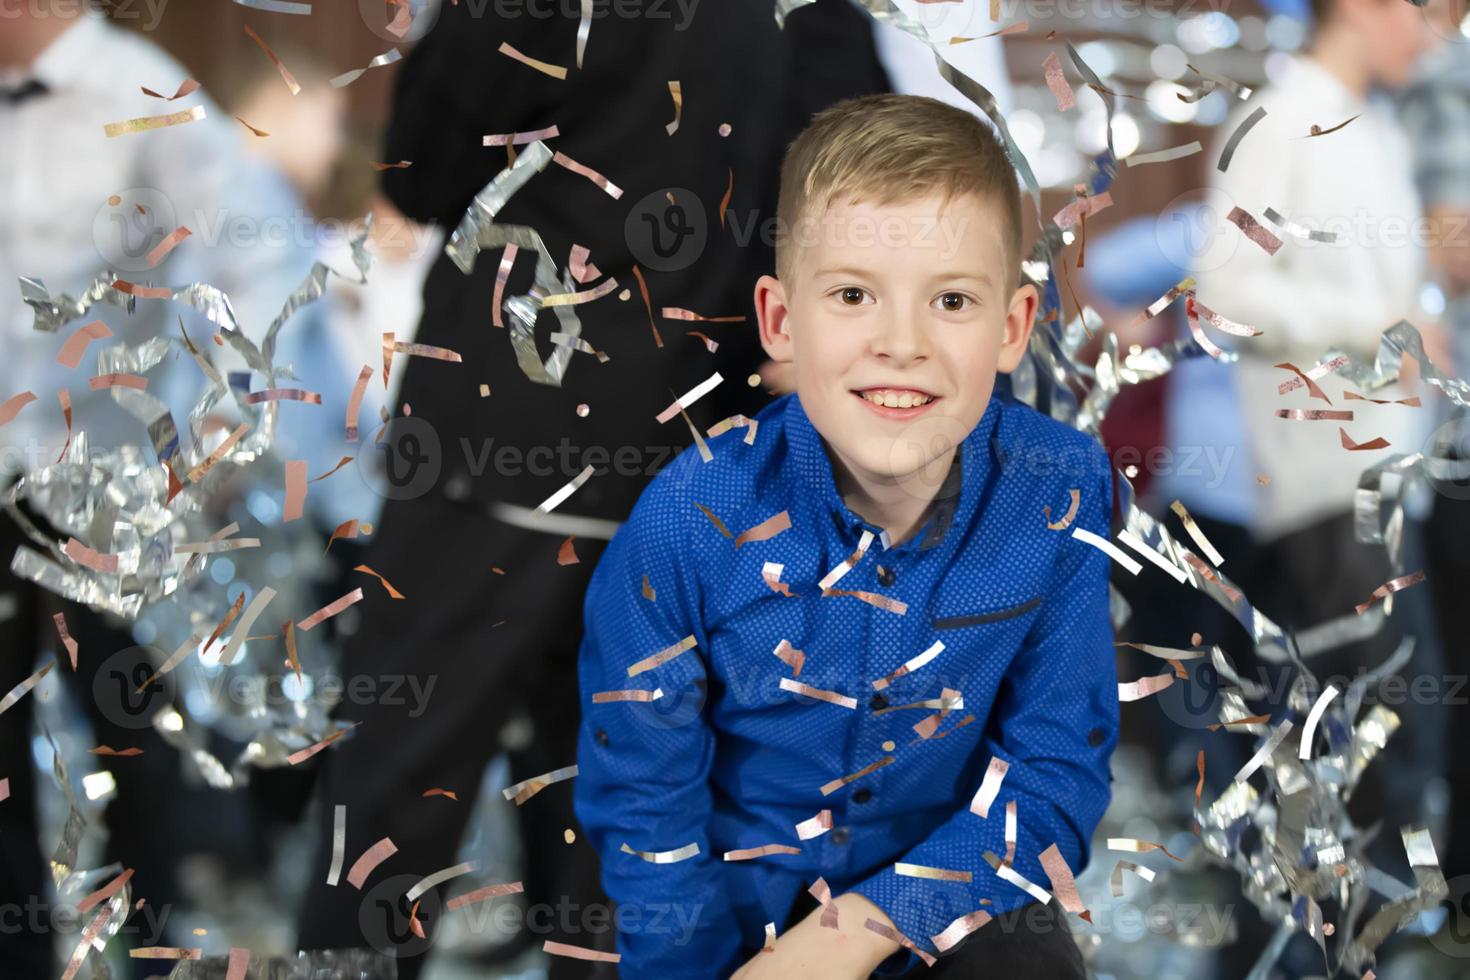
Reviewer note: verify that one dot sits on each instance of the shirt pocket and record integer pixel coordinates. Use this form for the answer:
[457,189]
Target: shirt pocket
[980,642]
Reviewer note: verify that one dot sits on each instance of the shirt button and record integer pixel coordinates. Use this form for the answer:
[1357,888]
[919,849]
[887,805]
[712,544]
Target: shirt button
[863,795]
[877,701]
[886,576]
[1095,737]
[841,835]
[601,737]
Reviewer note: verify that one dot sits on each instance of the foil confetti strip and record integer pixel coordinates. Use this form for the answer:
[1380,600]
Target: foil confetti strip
[892,934]
[101,381]
[247,619]
[1413,402]
[814,826]
[771,573]
[635,694]
[848,563]
[554,501]
[664,857]
[425,350]
[283,394]
[751,427]
[582,270]
[339,842]
[765,850]
[555,71]
[577,343]
[1127,537]
[1063,884]
[1144,687]
[1009,874]
[995,774]
[1314,415]
[484,894]
[789,655]
[354,403]
[911,665]
[581,296]
[926,728]
[340,463]
[105,892]
[386,58]
[1231,144]
[1196,534]
[829,788]
[1116,878]
[710,344]
[822,892]
[187,86]
[579,952]
[896,606]
[1163,653]
[66,639]
[1309,729]
[662,657]
[330,609]
[831,697]
[957,930]
[295,490]
[517,139]
[76,345]
[1388,588]
[278,6]
[369,860]
[658,340]
[725,201]
[1298,231]
[143,124]
[239,963]
[1056,80]
[690,397]
[392,592]
[525,789]
[584,29]
[440,877]
[1278,735]
[1370,445]
[1313,389]
[1165,156]
[676,92]
[932,874]
[24,687]
[502,275]
[1254,230]
[166,953]
[89,936]
[12,406]
[612,190]
[679,313]
[1081,209]
[1068,517]
[290,80]
[765,530]
[1107,548]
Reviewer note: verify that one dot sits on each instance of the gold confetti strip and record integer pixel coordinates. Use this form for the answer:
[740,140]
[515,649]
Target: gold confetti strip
[527,788]
[340,463]
[1159,305]
[89,936]
[1139,846]
[648,592]
[1317,130]
[635,694]
[400,165]
[715,520]
[939,720]
[583,296]
[286,75]
[1391,586]
[386,58]
[1354,396]
[1254,230]
[748,853]
[662,657]
[105,892]
[258,132]
[676,91]
[301,756]
[482,894]
[831,697]
[291,658]
[959,929]
[145,123]
[426,350]
[283,394]
[165,953]
[1063,884]
[934,874]
[709,342]
[1108,548]
[71,645]
[725,201]
[1248,720]
[579,952]
[1056,80]
[893,935]
[4,789]
[508,139]
[76,345]
[567,553]
[823,893]
[664,857]
[613,190]
[789,655]
[770,946]
[735,422]
[1199,565]
[502,275]
[848,563]
[771,572]
[1068,517]
[83,555]
[436,791]
[134,381]
[347,530]
[1012,831]
[995,773]
[704,450]
[555,71]
[842,781]
[1020,27]
[1302,378]
[1142,688]
[1164,156]
[582,270]
[1082,209]
[122,753]
[198,472]
[765,530]
[1199,787]
[1197,535]
[1116,879]
[814,826]
[354,404]
[185,87]
[911,665]
[295,490]
[12,406]
[386,584]
[1314,414]
[679,313]
[1348,444]
[329,610]
[691,396]
[370,859]
[872,599]
[146,292]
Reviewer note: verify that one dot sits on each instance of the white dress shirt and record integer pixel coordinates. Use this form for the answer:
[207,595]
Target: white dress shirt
[57,172]
[1310,296]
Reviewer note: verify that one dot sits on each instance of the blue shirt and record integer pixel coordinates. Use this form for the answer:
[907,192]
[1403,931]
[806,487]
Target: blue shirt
[727,759]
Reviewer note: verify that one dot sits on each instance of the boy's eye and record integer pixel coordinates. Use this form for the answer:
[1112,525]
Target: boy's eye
[953,302]
[852,295]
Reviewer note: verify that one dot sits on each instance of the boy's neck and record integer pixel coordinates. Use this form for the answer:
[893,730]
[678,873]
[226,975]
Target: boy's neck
[1336,49]
[900,507]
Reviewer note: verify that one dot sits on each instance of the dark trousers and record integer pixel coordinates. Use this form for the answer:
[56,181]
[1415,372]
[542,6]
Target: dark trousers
[1032,941]
[497,647]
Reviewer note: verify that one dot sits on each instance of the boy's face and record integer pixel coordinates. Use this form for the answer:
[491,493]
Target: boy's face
[895,325]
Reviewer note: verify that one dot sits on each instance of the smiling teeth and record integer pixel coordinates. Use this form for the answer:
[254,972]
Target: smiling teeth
[894,399]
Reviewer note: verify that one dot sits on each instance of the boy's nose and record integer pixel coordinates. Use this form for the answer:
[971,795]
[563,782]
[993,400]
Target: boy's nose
[901,338]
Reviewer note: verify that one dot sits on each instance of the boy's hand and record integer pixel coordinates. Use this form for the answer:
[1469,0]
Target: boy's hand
[810,951]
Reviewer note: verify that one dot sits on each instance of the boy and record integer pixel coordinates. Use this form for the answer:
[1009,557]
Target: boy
[917,582]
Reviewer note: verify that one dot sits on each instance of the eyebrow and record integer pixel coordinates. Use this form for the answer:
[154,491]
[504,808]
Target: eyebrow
[947,276]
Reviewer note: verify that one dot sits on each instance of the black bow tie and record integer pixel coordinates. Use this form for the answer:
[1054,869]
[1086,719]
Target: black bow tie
[28,89]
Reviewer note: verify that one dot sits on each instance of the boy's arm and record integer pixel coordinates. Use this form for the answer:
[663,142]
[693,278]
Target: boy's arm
[644,767]
[1055,722]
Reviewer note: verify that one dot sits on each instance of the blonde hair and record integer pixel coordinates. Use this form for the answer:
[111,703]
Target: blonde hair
[886,149]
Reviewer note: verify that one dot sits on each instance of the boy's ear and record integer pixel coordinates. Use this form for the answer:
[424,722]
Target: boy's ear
[773,317]
[1019,320]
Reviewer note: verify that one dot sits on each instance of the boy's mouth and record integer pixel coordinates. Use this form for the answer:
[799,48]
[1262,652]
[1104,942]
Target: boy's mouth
[896,402]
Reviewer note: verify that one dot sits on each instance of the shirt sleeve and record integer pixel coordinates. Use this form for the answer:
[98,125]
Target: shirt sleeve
[644,768]
[1055,723]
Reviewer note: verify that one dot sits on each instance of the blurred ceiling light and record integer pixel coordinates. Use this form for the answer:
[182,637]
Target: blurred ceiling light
[1163,101]
[1091,137]
[1028,130]
[1285,33]
[1168,61]
[1099,57]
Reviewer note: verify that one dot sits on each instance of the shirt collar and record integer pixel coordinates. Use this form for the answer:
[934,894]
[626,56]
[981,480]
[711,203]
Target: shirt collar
[957,497]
